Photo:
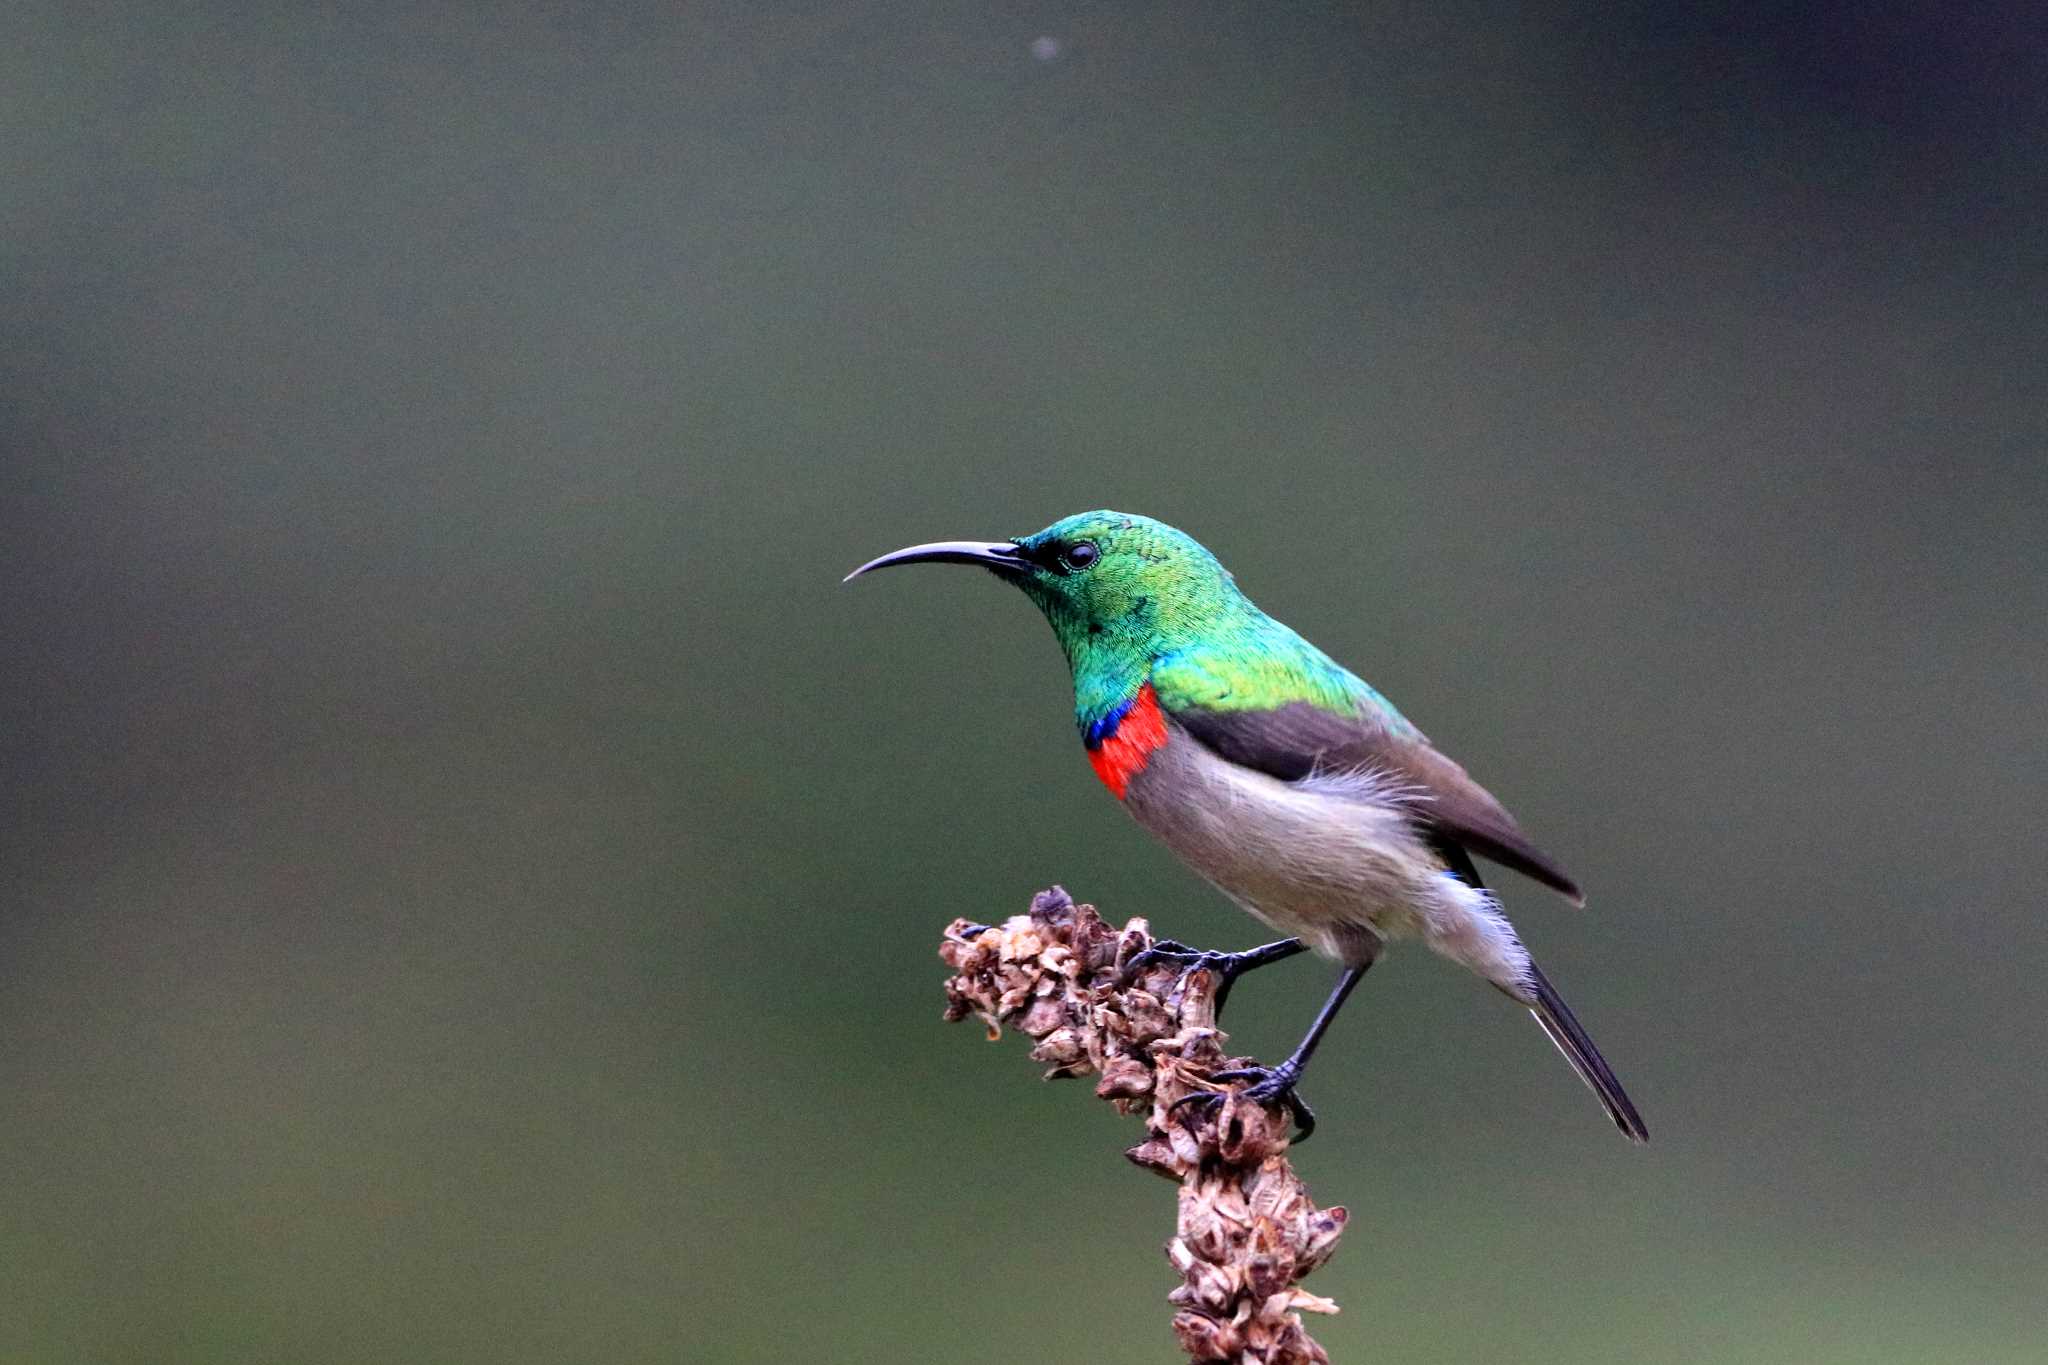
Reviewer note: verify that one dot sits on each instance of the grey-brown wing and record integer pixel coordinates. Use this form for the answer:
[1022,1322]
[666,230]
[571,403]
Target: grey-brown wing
[1290,742]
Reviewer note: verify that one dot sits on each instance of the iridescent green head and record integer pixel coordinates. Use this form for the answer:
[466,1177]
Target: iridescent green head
[1135,601]
[1118,589]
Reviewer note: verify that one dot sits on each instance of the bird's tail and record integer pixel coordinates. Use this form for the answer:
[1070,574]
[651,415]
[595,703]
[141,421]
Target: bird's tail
[1565,1031]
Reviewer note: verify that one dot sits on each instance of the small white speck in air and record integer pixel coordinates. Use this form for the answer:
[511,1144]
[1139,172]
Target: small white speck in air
[1045,49]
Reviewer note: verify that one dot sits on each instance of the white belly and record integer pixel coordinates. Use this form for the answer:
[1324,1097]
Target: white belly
[1334,860]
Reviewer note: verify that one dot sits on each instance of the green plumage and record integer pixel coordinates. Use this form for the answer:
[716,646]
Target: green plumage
[1156,606]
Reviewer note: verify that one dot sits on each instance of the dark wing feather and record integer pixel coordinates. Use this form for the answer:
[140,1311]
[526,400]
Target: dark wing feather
[1290,742]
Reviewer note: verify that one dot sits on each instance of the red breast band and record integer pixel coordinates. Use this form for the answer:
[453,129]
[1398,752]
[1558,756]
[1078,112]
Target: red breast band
[1123,753]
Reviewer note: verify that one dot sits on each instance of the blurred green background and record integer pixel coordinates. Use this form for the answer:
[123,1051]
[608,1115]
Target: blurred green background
[471,874]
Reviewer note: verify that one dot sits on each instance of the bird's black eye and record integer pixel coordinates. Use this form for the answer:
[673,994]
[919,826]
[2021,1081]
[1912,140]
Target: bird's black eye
[1080,555]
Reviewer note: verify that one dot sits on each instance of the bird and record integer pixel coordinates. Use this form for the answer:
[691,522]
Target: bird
[1279,776]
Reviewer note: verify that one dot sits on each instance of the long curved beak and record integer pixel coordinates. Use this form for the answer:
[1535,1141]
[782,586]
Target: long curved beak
[998,555]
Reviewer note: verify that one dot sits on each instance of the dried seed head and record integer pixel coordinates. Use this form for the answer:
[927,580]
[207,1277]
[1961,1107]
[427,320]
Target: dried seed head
[1125,1078]
[1247,1231]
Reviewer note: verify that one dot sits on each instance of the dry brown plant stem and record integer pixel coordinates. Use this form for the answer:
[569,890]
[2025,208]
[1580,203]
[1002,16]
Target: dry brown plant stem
[1248,1232]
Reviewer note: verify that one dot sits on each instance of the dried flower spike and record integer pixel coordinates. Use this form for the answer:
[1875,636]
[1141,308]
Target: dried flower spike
[1248,1232]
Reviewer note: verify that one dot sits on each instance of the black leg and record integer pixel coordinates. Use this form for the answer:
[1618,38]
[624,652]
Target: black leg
[1274,1086]
[1228,967]
[1298,1062]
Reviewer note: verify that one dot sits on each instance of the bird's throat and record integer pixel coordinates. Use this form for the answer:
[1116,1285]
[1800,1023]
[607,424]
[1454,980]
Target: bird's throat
[1124,740]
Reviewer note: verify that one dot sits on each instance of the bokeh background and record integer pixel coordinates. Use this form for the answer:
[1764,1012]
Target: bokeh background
[471,874]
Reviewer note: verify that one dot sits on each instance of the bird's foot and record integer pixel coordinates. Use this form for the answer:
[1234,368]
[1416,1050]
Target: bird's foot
[1226,967]
[1271,1087]
[1169,952]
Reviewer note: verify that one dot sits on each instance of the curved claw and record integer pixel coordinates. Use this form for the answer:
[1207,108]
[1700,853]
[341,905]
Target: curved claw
[1272,1087]
[1167,953]
[1225,967]
[1171,952]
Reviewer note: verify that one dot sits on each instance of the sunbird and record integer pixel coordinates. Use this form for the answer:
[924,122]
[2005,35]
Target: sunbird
[1278,775]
